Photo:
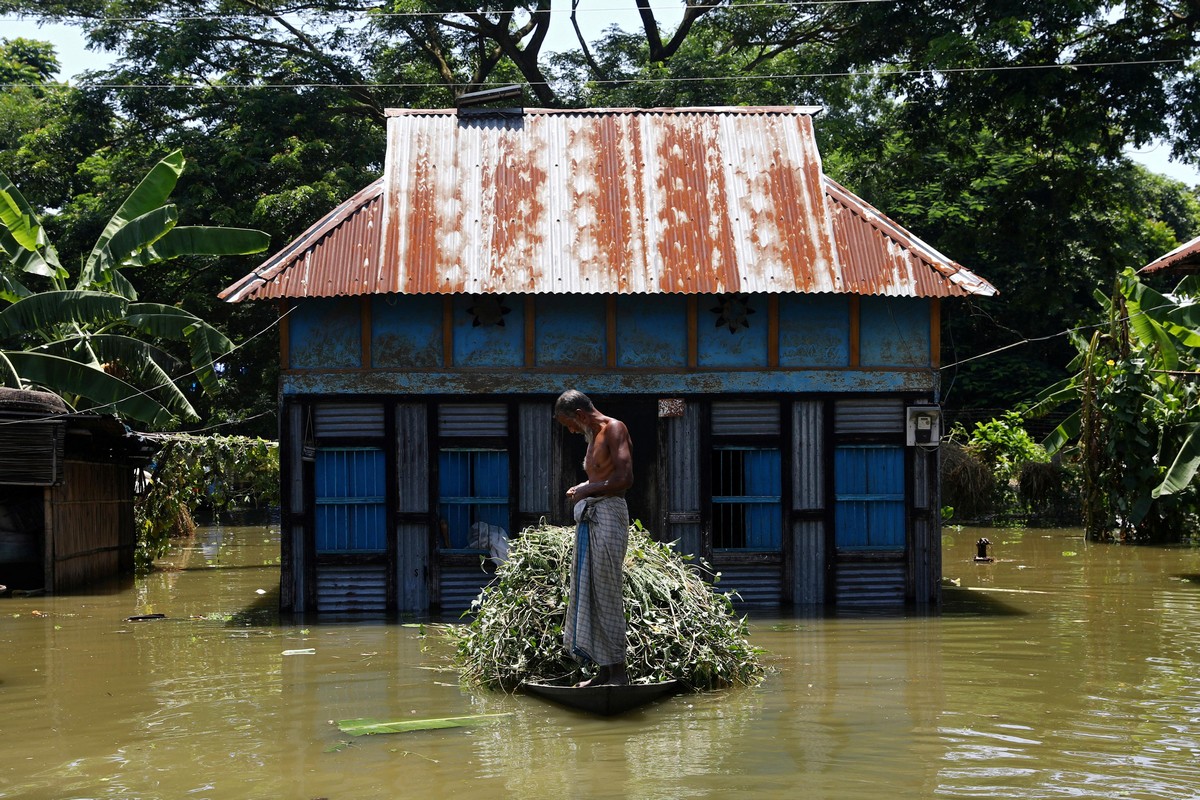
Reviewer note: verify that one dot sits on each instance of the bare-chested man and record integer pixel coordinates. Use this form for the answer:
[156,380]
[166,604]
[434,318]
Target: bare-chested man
[595,625]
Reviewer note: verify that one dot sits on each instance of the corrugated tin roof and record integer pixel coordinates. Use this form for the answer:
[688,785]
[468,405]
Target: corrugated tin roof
[1185,258]
[628,201]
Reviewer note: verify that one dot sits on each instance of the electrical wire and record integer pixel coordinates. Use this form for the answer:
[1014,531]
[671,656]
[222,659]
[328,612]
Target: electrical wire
[371,14]
[884,72]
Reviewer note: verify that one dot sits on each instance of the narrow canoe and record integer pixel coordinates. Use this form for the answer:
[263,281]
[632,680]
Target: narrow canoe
[604,700]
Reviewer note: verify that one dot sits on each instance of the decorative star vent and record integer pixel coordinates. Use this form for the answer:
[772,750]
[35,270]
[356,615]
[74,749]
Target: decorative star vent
[732,312]
[488,309]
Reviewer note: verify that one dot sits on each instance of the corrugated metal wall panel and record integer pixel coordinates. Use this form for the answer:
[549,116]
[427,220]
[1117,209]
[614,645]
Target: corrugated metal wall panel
[348,419]
[292,568]
[808,562]
[357,588]
[924,467]
[927,561]
[412,458]
[808,465]
[745,418]
[534,428]
[459,587]
[477,419]
[412,570]
[756,584]
[870,583]
[683,479]
[412,477]
[869,415]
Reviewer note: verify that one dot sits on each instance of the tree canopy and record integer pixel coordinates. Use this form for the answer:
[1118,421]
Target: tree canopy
[995,131]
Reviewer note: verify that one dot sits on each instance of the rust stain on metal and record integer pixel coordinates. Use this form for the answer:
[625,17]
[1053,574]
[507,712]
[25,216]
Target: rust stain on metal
[604,193]
[512,191]
[605,201]
[696,240]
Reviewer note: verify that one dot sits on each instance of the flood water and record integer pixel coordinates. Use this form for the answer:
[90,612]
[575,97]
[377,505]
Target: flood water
[1064,669]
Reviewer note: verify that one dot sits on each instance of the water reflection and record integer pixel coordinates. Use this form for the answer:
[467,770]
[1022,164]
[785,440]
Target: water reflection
[1061,669]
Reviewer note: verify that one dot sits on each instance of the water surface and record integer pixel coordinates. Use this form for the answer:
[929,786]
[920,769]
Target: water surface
[1064,669]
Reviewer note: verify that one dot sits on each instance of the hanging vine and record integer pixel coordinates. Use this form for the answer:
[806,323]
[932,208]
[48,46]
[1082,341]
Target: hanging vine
[194,475]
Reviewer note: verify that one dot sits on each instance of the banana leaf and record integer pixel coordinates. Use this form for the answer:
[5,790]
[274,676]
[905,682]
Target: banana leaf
[1184,466]
[201,240]
[18,216]
[29,259]
[367,727]
[150,194]
[205,343]
[1066,432]
[107,392]
[45,310]
[126,242]
[139,363]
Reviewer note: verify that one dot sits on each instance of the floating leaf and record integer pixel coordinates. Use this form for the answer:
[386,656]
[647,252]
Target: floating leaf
[367,727]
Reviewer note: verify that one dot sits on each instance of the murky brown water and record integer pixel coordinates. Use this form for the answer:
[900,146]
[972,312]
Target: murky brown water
[1063,670]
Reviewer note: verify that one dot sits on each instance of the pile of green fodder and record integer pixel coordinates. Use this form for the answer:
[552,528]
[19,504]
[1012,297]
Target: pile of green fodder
[678,627]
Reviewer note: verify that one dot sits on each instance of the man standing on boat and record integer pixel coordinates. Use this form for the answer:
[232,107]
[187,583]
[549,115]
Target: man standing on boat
[595,625]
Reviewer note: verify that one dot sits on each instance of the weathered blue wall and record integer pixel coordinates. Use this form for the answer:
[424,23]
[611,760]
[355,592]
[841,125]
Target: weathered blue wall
[568,341]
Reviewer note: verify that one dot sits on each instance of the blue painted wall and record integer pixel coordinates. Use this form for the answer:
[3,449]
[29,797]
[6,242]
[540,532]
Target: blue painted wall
[325,333]
[814,330]
[570,330]
[893,332]
[651,331]
[571,342]
[406,332]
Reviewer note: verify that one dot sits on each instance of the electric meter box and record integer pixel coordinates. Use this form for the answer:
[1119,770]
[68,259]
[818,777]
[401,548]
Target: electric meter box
[923,425]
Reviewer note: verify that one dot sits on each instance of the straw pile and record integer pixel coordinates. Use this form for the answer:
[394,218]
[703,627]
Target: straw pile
[679,628]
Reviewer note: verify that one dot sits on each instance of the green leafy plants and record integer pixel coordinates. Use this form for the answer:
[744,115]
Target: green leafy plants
[1136,428]
[191,474]
[679,627]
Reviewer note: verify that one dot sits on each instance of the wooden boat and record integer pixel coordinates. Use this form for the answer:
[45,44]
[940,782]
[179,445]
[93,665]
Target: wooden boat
[604,700]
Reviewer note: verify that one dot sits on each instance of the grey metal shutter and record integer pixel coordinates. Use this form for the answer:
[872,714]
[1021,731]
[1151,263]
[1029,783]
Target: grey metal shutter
[869,415]
[745,418]
[475,419]
[335,420]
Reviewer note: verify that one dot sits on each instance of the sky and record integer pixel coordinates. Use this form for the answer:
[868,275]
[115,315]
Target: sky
[75,58]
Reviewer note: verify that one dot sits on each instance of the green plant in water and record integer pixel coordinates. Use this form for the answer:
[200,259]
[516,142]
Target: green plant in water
[190,474]
[1136,430]
[678,626]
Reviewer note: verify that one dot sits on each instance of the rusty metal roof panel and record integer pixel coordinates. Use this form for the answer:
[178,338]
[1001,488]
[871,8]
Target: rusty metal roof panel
[606,201]
[338,255]
[1183,259]
[879,257]
[627,201]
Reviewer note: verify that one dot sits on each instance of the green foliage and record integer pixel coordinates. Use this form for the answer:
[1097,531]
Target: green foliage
[87,339]
[678,627]
[1004,445]
[1139,412]
[194,474]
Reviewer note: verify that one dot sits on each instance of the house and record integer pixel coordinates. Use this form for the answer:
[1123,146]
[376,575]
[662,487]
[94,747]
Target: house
[66,493]
[1183,260]
[770,340]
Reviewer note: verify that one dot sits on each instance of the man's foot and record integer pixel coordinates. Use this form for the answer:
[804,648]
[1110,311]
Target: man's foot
[607,675]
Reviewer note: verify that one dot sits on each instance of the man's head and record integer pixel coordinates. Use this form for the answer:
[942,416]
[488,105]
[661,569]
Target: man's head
[568,407]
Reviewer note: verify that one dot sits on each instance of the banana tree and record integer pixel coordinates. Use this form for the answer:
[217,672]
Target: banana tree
[1137,424]
[85,336]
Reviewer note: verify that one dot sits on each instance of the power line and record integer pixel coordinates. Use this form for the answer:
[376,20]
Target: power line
[367,14]
[887,71]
